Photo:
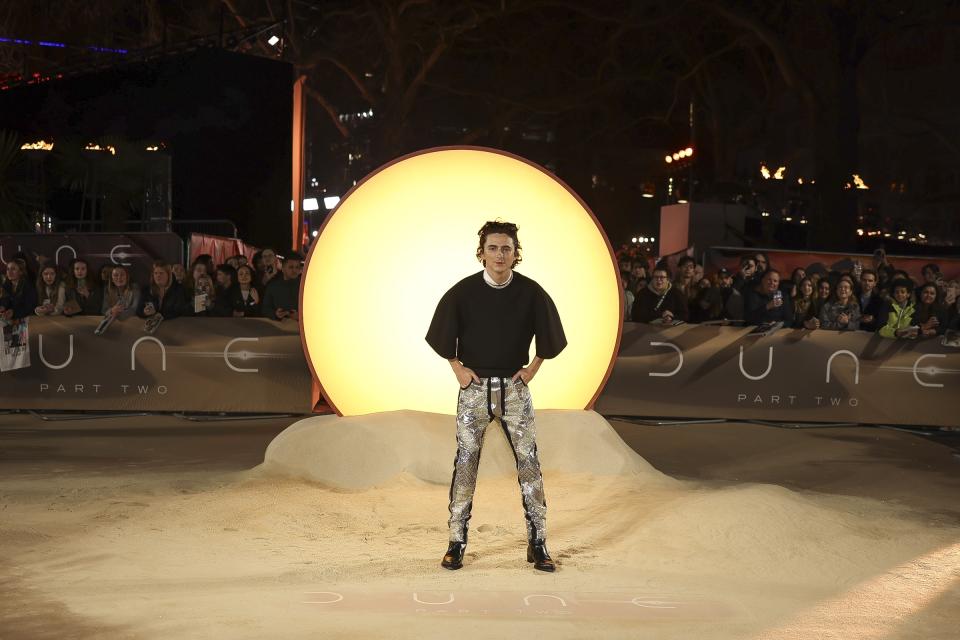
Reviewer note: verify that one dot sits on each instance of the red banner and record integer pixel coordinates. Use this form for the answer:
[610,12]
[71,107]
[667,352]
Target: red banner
[219,247]
[786,261]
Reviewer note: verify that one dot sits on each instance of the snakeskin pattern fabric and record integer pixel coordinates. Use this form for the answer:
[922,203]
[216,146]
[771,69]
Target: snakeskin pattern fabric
[510,404]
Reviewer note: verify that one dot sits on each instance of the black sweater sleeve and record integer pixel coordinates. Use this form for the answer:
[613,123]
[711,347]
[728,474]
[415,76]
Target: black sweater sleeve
[548,330]
[445,326]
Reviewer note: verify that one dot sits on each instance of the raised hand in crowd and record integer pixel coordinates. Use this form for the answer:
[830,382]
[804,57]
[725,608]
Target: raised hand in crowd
[203,295]
[776,302]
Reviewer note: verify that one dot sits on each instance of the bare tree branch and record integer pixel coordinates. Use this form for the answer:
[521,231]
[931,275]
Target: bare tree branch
[407,4]
[347,71]
[929,126]
[243,23]
[409,95]
[329,108]
[781,54]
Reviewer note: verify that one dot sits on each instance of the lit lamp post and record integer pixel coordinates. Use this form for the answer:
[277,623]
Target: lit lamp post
[679,161]
[36,153]
[157,193]
[645,242]
[95,153]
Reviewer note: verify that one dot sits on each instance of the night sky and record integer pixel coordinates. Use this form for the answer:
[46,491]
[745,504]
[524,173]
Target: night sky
[223,117]
[599,93]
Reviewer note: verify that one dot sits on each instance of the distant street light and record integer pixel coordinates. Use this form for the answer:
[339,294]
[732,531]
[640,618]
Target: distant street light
[39,145]
[96,147]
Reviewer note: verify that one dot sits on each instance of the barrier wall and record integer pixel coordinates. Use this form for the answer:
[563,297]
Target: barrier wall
[134,250]
[689,371]
[792,375]
[246,365]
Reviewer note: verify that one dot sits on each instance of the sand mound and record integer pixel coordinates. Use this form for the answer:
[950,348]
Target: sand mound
[239,555]
[365,451]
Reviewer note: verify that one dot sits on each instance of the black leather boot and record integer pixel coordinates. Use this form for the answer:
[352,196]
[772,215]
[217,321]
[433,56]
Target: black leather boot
[453,559]
[537,554]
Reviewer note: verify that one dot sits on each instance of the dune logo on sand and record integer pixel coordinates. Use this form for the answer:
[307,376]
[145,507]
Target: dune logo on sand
[519,604]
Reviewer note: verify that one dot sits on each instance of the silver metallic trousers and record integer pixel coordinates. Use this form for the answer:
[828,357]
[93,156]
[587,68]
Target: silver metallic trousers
[510,404]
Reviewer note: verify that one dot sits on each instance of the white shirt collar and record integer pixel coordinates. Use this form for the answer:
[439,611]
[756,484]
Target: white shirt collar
[490,281]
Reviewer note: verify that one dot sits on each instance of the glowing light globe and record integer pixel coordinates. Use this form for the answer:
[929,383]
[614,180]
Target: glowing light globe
[407,233]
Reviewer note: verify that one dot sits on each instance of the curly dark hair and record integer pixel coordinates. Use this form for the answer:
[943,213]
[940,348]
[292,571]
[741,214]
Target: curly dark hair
[506,228]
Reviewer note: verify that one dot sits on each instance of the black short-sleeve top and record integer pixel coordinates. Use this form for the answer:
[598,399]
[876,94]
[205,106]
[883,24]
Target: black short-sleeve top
[489,330]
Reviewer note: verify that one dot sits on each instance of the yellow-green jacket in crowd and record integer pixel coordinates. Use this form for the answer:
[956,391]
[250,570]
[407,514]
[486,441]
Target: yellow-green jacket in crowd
[898,318]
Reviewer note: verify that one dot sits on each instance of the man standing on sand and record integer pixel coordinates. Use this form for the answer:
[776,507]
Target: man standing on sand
[483,326]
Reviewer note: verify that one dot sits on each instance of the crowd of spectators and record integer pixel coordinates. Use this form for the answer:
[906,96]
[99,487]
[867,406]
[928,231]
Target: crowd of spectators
[269,287]
[878,299]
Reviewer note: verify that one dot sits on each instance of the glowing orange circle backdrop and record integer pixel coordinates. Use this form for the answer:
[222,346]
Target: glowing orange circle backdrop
[405,234]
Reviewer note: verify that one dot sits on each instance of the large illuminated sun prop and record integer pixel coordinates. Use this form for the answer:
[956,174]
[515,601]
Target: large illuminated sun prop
[405,235]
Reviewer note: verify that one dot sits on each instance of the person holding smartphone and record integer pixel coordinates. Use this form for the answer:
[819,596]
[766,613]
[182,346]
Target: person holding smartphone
[163,295]
[766,302]
[269,268]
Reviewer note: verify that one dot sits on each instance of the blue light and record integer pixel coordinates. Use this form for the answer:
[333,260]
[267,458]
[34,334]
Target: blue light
[106,50]
[61,45]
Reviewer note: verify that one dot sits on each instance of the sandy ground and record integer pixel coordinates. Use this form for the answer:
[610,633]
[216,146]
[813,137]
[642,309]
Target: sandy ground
[150,527]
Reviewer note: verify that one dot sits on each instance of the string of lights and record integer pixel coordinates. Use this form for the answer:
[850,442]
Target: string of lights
[62,45]
[225,39]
